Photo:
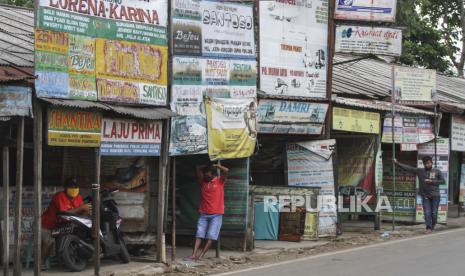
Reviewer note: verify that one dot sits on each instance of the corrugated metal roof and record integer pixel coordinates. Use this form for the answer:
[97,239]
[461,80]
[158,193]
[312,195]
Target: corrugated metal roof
[371,78]
[149,113]
[16,36]
[379,105]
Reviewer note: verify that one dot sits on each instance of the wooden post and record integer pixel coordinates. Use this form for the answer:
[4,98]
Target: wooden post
[6,208]
[19,196]
[329,79]
[393,110]
[173,213]
[37,185]
[163,165]
[96,213]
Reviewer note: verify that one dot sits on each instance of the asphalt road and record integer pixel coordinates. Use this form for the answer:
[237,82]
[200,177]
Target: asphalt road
[438,254]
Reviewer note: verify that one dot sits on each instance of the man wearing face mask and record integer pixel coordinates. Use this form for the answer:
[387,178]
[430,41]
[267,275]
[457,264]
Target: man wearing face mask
[429,180]
[69,200]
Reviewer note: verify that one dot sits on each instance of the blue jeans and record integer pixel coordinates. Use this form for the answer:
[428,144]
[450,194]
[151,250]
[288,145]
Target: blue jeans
[209,226]
[430,209]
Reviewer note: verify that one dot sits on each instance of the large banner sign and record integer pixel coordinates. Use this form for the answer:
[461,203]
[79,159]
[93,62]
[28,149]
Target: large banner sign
[442,150]
[289,117]
[213,29]
[15,101]
[366,10]
[102,50]
[293,47]
[222,78]
[310,164]
[73,128]
[231,127]
[458,133]
[356,120]
[368,40]
[414,85]
[122,137]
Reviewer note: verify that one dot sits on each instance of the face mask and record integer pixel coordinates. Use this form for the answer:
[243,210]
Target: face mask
[72,192]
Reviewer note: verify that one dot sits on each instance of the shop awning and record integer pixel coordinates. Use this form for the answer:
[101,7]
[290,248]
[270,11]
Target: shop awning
[379,105]
[149,113]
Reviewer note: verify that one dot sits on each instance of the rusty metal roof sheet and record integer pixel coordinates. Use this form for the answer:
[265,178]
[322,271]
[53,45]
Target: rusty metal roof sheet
[379,105]
[149,113]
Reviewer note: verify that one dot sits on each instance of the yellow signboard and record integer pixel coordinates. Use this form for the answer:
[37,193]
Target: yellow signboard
[356,120]
[231,128]
[73,128]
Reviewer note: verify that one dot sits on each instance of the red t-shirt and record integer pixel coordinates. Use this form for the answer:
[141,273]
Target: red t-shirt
[60,203]
[212,197]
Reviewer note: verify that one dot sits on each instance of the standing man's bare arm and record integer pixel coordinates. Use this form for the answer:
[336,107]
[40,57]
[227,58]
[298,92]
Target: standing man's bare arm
[224,172]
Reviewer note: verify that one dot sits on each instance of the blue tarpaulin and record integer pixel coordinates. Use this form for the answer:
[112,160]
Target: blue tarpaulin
[266,224]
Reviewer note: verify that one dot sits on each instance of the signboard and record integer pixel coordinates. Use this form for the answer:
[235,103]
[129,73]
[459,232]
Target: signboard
[289,117]
[368,40]
[213,29]
[310,164]
[293,47]
[462,181]
[130,138]
[15,101]
[366,10]
[356,120]
[408,131]
[102,50]
[231,127]
[442,150]
[404,199]
[223,78]
[73,128]
[414,85]
[457,137]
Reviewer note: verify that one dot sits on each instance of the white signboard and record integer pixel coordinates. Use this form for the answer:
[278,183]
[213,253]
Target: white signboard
[228,30]
[366,10]
[293,47]
[368,40]
[458,133]
[414,85]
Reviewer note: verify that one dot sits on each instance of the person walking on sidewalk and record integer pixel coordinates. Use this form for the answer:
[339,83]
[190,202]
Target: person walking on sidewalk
[429,179]
[211,207]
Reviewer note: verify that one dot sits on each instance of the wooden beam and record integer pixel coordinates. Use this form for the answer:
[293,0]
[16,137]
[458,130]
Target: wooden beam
[173,213]
[163,165]
[37,163]
[17,264]
[96,212]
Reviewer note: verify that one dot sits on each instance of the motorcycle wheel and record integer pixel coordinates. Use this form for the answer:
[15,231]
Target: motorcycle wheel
[70,255]
[124,254]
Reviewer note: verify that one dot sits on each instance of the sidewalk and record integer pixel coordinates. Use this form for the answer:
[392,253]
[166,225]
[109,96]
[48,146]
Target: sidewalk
[356,233]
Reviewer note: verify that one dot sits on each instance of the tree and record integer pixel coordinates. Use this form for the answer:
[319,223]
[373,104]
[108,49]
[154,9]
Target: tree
[433,34]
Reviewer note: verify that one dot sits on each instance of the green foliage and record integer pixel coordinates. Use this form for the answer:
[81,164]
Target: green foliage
[433,29]
[21,3]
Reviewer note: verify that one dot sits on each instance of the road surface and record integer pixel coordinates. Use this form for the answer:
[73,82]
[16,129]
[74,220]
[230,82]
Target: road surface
[438,254]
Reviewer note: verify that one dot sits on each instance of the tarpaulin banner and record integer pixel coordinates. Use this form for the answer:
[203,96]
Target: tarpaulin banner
[294,47]
[458,133]
[105,50]
[414,85]
[310,164]
[231,127]
[441,148]
[368,40]
[290,117]
[72,128]
[122,137]
[408,131]
[366,10]
[356,166]
[15,101]
[356,120]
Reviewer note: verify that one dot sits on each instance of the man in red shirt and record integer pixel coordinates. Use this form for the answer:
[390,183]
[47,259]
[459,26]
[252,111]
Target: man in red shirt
[211,206]
[70,201]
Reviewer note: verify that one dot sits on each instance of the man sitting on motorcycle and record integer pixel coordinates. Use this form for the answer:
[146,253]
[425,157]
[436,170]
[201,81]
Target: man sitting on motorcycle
[69,200]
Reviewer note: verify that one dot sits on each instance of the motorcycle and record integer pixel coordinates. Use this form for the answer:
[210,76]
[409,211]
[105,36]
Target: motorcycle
[73,235]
